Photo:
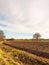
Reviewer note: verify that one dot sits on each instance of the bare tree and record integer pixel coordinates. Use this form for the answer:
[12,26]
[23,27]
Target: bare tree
[37,36]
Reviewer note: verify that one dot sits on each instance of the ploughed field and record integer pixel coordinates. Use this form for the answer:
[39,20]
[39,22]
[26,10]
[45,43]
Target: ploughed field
[12,56]
[37,47]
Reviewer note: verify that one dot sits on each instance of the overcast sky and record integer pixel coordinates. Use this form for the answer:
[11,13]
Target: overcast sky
[23,18]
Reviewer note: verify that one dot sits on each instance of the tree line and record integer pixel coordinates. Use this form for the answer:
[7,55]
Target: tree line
[35,36]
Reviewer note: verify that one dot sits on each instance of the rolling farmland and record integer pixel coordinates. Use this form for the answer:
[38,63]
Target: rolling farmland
[37,48]
[18,52]
[12,56]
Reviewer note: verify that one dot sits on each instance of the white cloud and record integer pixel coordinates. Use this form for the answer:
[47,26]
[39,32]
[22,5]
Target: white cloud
[26,16]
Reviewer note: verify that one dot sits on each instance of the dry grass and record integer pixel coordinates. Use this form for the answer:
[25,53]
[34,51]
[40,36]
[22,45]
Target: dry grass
[12,56]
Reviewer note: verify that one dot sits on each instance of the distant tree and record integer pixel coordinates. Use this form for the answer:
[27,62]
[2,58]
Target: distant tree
[1,35]
[37,36]
[12,39]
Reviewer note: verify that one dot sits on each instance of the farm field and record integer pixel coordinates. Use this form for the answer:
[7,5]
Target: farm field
[31,46]
[35,45]
[12,56]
